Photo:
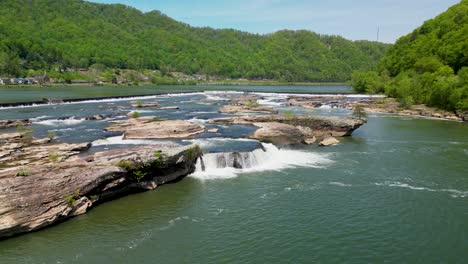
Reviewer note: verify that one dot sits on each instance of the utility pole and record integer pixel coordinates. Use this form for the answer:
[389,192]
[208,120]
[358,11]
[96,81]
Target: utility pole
[378,34]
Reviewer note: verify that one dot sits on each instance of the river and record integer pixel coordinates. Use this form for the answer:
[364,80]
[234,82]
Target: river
[397,192]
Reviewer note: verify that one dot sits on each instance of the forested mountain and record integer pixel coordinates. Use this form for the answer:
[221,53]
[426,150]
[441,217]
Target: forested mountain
[430,65]
[53,34]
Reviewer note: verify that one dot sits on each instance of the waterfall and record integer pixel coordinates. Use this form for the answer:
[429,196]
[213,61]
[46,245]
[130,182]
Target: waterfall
[267,157]
[236,160]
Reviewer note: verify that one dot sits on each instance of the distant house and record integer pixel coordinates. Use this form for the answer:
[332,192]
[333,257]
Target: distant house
[1,82]
[31,81]
[5,81]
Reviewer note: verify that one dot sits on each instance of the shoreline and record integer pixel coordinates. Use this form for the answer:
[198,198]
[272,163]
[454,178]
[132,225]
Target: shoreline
[142,84]
[371,107]
[50,101]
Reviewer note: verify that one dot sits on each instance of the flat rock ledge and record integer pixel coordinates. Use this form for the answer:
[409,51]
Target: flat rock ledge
[36,196]
[278,133]
[14,123]
[291,130]
[329,141]
[155,128]
[18,150]
[245,109]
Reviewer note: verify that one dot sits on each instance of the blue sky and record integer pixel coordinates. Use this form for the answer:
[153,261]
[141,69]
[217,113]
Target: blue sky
[352,19]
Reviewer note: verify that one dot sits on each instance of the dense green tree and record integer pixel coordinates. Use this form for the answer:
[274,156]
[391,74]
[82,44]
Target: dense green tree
[430,65]
[61,34]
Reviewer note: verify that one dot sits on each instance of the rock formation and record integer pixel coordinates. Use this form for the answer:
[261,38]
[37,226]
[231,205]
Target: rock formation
[329,141]
[278,134]
[280,129]
[36,196]
[14,123]
[244,109]
[154,128]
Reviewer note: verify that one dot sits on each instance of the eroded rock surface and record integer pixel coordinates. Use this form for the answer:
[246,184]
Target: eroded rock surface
[14,123]
[18,150]
[35,196]
[154,128]
[145,104]
[286,130]
[244,109]
[329,141]
[309,125]
[278,133]
[246,104]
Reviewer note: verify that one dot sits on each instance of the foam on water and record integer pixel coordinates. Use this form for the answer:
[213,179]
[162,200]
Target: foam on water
[60,122]
[210,142]
[217,165]
[39,118]
[198,121]
[119,140]
[273,100]
[340,184]
[453,193]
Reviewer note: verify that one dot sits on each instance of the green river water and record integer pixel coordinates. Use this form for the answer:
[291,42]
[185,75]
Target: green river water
[395,192]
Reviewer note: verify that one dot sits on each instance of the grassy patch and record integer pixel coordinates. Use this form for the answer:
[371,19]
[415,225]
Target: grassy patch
[192,153]
[134,171]
[125,164]
[157,119]
[26,133]
[51,135]
[160,159]
[138,175]
[71,199]
[24,172]
[288,114]
[55,157]
[252,104]
[135,115]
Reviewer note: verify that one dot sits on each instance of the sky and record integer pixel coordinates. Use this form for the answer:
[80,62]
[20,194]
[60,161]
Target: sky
[352,19]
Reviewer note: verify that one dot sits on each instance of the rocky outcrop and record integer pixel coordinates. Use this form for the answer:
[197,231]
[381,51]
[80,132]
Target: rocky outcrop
[18,150]
[329,141]
[248,103]
[463,115]
[36,196]
[283,130]
[278,134]
[244,109]
[169,108]
[314,102]
[311,125]
[139,104]
[14,123]
[245,99]
[155,128]
[153,105]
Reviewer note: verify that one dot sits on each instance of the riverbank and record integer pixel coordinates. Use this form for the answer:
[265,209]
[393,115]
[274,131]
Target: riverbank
[175,83]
